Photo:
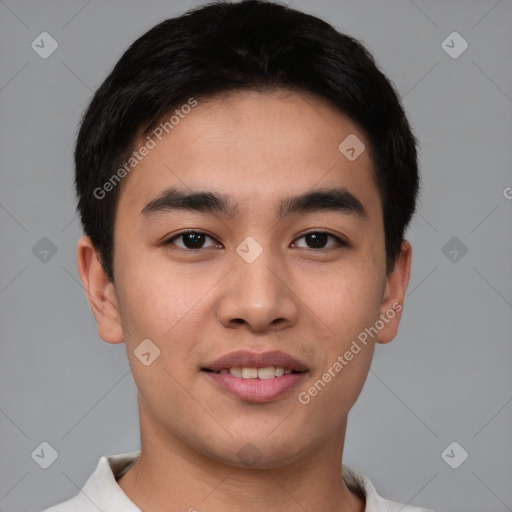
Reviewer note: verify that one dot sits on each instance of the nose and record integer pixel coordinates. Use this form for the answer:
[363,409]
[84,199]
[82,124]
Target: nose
[258,296]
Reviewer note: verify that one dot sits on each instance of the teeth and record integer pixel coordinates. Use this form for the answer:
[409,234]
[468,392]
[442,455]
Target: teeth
[258,373]
[249,373]
[267,373]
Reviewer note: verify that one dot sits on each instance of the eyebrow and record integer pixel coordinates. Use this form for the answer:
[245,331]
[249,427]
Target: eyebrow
[338,200]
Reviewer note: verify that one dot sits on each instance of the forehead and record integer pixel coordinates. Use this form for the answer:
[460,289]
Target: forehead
[255,147]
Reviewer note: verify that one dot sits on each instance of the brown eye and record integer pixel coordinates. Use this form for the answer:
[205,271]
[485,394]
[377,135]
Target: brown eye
[319,240]
[191,240]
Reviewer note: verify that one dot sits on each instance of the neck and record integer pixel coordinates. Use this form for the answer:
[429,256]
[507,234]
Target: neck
[171,476]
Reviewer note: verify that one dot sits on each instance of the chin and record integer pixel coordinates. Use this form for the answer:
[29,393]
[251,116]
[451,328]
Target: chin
[256,452]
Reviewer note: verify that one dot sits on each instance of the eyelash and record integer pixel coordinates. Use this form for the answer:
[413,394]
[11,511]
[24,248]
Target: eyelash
[339,242]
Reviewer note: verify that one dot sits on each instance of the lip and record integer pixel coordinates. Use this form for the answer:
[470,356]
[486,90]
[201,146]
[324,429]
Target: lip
[248,359]
[256,390]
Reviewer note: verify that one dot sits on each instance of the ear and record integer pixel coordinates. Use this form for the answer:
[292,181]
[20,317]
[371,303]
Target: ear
[100,292]
[394,295]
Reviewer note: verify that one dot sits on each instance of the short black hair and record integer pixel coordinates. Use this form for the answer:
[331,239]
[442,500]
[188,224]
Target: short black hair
[222,47]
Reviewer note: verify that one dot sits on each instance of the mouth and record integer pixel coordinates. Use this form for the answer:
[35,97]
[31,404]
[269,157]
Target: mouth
[256,377]
[270,372]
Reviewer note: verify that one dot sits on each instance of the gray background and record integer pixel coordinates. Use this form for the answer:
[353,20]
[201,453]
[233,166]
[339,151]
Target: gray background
[445,378]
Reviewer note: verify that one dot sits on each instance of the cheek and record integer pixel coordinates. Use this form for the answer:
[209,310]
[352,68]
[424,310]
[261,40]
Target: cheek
[349,303]
[346,300]
[166,308]
[151,300]
[153,307]
[335,387]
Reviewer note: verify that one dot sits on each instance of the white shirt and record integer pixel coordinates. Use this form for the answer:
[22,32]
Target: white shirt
[101,491]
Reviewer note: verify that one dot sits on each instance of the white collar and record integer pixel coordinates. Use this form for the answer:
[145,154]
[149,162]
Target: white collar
[101,491]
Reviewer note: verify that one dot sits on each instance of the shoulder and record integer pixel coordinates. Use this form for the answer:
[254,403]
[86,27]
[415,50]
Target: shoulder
[77,504]
[101,491]
[392,506]
[362,485]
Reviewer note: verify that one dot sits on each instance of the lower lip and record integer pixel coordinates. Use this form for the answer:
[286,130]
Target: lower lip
[257,390]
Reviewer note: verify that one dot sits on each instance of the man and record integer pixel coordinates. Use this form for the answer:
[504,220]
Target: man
[245,176]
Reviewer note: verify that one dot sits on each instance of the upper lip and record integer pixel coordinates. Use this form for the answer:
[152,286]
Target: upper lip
[248,359]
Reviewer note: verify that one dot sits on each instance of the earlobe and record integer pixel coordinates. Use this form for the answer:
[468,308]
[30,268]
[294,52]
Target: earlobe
[394,295]
[100,292]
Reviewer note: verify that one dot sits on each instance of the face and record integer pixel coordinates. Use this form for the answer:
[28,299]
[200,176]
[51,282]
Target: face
[246,242]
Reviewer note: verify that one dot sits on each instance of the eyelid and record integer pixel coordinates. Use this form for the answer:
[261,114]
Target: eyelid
[340,241]
[169,241]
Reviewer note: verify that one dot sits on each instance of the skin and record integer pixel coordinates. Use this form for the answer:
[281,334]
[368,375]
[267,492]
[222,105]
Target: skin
[195,306]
